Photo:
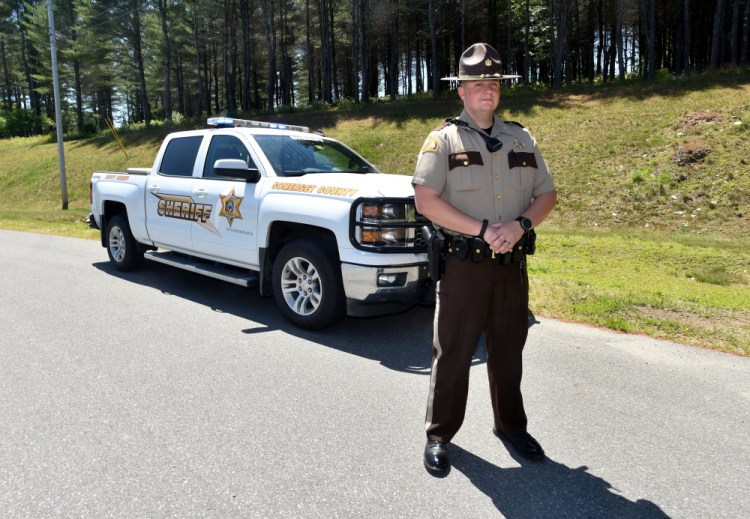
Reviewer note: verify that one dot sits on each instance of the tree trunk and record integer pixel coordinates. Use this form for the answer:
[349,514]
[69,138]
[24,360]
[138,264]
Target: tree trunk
[269,19]
[310,61]
[167,97]
[600,44]
[509,40]
[215,70]
[559,37]
[325,51]
[716,35]
[526,55]
[354,8]
[201,92]
[393,50]
[136,34]
[735,56]
[7,103]
[463,24]
[365,51]
[180,76]
[649,10]
[686,37]
[619,39]
[78,93]
[231,55]
[434,46]
[745,34]
[245,19]
[589,48]
[334,72]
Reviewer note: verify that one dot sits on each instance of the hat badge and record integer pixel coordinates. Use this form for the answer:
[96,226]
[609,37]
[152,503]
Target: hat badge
[488,62]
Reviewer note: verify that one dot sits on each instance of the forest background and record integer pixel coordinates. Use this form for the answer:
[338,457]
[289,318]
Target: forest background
[134,61]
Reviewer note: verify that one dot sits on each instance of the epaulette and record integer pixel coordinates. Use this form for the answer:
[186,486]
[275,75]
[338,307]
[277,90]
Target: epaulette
[492,143]
[514,122]
[446,122]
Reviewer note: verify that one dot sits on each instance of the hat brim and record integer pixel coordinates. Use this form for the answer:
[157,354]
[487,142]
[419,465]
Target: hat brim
[483,77]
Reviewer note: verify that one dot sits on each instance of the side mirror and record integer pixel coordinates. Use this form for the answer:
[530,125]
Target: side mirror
[236,168]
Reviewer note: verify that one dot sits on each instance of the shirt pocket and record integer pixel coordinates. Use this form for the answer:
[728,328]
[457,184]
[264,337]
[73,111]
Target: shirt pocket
[465,170]
[522,166]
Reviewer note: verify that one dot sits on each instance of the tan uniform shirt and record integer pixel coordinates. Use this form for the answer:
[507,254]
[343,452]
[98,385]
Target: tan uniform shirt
[499,186]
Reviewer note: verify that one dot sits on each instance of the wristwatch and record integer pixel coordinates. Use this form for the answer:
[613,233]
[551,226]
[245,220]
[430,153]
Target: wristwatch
[526,224]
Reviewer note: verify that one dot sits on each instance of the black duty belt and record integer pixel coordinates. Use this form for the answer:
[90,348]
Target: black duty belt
[478,251]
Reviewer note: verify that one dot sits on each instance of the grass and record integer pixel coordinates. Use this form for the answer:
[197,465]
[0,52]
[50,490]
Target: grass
[686,289]
[651,230]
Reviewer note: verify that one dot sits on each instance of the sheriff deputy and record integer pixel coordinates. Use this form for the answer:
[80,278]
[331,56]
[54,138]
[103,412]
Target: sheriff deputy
[484,183]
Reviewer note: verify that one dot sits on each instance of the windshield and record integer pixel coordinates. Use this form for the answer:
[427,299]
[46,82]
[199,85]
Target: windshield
[299,155]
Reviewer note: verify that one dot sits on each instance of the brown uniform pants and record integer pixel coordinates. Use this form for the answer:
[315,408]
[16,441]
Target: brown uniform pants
[475,298]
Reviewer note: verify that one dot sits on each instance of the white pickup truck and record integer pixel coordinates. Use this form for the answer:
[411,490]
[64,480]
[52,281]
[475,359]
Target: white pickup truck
[299,215]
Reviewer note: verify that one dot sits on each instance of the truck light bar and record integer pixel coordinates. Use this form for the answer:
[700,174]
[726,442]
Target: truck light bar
[231,122]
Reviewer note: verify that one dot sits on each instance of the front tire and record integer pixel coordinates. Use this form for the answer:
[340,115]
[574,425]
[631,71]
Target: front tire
[123,249]
[307,285]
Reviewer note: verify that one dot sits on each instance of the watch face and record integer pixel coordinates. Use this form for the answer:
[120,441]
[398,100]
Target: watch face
[525,223]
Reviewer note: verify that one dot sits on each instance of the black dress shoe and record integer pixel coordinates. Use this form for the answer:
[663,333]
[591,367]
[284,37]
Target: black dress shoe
[523,443]
[436,458]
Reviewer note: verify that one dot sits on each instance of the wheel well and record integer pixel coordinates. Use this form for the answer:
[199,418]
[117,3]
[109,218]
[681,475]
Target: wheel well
[282,233]
[110,210]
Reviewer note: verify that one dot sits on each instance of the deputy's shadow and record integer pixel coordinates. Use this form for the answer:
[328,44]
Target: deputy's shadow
[548,489]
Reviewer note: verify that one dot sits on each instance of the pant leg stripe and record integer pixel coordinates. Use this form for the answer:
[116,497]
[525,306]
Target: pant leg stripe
[438,354]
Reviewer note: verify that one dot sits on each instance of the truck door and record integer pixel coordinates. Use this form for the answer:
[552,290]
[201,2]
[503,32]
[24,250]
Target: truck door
[170,206]
[230,237]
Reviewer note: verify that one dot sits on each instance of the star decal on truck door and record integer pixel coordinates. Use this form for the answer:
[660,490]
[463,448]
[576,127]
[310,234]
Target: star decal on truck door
[230,206]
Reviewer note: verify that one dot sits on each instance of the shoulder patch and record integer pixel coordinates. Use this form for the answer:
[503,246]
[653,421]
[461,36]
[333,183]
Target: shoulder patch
[431,144]
[514,122]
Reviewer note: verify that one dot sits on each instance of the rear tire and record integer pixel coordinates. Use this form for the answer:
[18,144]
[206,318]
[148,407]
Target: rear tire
[307,285]
[123,250]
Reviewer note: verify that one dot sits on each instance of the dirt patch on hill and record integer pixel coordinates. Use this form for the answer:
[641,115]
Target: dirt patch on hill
[700,117]
[691,152]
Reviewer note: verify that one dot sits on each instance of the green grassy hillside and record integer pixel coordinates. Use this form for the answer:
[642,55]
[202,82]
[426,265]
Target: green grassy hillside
[651,231]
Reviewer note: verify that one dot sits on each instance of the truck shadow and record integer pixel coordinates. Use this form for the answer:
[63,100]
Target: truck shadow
[401,342]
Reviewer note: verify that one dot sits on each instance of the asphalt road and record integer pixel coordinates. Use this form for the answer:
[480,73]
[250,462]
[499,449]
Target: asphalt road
[160,393]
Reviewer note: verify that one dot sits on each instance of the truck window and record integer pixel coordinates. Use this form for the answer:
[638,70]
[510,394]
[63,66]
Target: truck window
[225,147]
[179,157]
[295,156]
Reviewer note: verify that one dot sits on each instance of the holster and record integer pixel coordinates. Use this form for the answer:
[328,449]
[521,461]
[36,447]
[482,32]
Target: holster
[529,243]
[435,240]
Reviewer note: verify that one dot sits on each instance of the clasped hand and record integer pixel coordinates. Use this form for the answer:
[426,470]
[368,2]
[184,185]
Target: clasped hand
[502,236]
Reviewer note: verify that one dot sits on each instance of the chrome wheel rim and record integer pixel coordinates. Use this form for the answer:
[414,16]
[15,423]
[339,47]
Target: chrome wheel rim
[117,244]
[301,286]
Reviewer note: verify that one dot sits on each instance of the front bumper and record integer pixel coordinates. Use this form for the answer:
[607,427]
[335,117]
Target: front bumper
[380,290]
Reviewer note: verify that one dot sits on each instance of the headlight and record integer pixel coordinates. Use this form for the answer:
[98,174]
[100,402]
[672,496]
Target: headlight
[373,236]
[386,225]
[376,211]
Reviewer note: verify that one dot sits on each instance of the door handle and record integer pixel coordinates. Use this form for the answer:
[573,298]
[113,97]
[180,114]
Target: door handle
[200,193]
[154,189]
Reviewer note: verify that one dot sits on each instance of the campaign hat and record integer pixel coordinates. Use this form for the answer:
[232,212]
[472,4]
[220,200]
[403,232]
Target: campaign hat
[478,62]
